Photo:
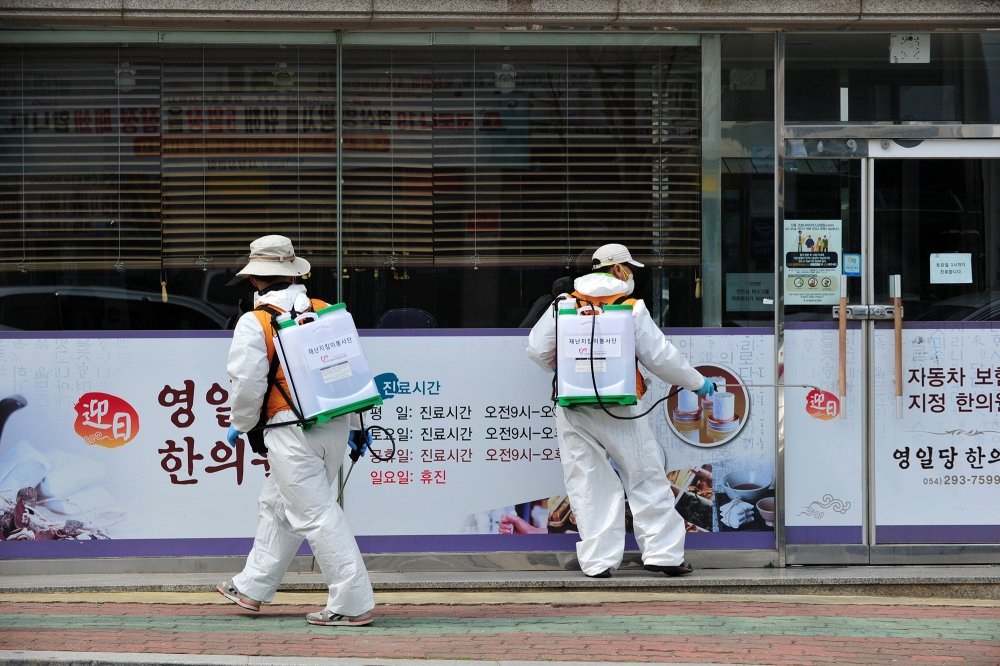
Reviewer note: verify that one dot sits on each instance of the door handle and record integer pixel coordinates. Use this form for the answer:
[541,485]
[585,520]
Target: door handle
[841,314]
[879,311]
[896,292]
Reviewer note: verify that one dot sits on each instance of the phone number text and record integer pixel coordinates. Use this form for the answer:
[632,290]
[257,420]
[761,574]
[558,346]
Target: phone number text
[963,480]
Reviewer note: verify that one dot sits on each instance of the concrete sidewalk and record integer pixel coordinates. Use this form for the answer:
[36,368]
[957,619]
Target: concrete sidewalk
[795,616]
[951,582]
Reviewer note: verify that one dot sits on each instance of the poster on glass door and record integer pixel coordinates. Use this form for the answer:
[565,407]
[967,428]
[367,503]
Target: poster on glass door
[812,261]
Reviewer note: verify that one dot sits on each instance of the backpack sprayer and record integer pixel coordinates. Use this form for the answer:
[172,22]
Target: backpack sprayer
[617,360]
[615,337]
[607,339]
[327,374]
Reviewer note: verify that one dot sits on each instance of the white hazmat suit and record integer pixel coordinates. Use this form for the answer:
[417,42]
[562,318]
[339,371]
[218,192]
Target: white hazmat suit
[298,498]
[587,436]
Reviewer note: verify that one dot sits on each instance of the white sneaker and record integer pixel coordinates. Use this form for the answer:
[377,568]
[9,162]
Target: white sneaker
[229,591]
[328,618]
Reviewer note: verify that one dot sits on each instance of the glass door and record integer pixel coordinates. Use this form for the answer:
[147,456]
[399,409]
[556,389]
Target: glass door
[822,471]
[934,370]
[890,271]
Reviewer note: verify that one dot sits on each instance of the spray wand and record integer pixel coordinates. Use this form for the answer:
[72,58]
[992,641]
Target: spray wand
[362,440]
[593,378]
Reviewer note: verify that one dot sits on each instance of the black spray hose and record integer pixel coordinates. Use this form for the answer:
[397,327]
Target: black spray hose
[280,424]
[593,379]
[593,375]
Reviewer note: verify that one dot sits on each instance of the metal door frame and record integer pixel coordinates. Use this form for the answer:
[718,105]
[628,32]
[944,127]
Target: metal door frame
[869,144]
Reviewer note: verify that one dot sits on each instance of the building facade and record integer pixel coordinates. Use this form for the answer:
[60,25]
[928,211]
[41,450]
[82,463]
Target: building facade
[811,186]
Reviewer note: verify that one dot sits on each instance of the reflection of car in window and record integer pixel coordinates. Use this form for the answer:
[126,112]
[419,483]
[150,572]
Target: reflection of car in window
[41,308]
[981,306]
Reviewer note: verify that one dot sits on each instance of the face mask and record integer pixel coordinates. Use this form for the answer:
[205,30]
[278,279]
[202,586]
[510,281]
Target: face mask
[630,283]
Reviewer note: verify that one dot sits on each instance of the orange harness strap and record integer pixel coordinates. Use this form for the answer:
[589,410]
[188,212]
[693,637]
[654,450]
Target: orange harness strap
[275,400]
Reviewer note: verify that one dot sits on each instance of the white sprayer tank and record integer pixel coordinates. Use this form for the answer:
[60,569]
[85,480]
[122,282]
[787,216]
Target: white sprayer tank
[325,365]
[612,339]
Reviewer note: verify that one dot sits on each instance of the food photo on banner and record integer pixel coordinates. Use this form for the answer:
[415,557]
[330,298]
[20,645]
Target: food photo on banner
[51,495]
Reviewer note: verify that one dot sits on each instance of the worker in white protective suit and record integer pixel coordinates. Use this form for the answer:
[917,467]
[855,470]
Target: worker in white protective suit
[298,498]
[588,436]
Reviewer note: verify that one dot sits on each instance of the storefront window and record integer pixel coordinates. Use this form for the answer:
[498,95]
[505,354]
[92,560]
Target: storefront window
[81,157]
[748,209]
[482,174]
[474,175]
[897,78]
[136,177]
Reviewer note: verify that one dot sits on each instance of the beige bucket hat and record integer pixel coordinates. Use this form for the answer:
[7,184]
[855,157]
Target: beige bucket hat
[274,255]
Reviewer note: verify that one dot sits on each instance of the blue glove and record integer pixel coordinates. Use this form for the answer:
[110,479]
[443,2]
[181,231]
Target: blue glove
[359,441]
[707,388]
[232,435]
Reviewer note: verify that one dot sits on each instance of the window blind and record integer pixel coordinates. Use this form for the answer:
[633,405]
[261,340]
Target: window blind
[78,187]
[521,156]
[455,155]
[389,162]
[248,149]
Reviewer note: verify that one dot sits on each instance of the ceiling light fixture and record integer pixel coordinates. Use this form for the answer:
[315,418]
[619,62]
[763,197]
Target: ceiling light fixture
[125,75]
[505,78]
[281,76]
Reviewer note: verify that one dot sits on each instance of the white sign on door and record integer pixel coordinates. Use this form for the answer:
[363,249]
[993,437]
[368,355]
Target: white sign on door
[951,268]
